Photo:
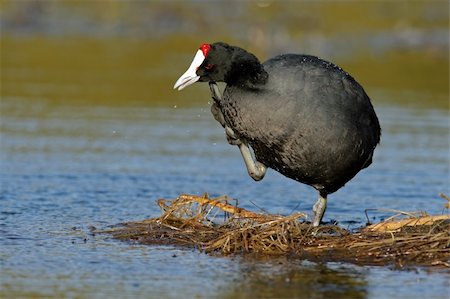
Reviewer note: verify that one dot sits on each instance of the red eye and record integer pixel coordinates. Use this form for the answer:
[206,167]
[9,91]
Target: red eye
[209,66]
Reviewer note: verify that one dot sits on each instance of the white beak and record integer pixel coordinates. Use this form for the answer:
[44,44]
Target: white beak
[190,76]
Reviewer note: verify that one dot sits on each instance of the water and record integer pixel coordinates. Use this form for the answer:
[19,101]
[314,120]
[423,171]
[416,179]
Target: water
[65,168]
[83,144]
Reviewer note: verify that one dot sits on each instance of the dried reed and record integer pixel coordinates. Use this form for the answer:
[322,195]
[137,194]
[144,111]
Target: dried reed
[215,226]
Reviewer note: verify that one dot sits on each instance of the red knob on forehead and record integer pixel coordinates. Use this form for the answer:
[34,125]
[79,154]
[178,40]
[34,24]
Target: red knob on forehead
[205,49]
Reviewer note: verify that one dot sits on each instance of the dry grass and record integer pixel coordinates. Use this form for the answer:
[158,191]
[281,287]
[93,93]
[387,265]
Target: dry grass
[214,225]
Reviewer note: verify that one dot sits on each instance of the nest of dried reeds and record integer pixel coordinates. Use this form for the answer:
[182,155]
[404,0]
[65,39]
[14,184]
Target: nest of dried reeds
[214,225]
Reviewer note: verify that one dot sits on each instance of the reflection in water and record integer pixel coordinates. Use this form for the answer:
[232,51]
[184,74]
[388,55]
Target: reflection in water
[285,278]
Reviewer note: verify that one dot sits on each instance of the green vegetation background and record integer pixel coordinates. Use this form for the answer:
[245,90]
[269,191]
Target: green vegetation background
[131,52]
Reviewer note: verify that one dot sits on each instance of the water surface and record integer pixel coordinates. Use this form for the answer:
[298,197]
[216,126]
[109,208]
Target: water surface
[92,134]
[66,168]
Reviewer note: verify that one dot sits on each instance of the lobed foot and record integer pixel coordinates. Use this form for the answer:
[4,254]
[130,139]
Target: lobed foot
[256,170]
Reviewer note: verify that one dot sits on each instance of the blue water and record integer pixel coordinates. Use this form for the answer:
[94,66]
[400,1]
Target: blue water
[66,168]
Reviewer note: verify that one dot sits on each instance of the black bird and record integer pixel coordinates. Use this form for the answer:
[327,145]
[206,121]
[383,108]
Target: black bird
[303,116]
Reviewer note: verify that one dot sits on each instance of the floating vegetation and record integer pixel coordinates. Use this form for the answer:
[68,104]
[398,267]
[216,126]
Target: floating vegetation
[215,226]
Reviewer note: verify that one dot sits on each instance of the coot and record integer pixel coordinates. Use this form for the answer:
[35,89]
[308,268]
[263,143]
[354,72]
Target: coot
[303,116]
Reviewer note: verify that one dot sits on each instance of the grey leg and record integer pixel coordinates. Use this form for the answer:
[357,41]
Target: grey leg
[215,110]
[232,137]
[218,115]
[255,169]
[319,209]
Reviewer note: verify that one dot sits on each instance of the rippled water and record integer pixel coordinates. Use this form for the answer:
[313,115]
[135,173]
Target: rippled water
[80,145]
[66,168]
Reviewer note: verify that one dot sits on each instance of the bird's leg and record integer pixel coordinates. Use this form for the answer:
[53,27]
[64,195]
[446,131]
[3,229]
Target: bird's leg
[218,115]
[217,97]
[255,169]
[319,209]
[215,110]
[231,136]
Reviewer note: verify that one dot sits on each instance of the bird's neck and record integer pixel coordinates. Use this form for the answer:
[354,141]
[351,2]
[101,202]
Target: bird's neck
[246,70]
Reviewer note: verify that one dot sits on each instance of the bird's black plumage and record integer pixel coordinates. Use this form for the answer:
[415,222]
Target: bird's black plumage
[303,116]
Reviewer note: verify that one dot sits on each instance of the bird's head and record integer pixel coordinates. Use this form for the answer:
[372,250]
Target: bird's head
[211,63]
[220,62]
